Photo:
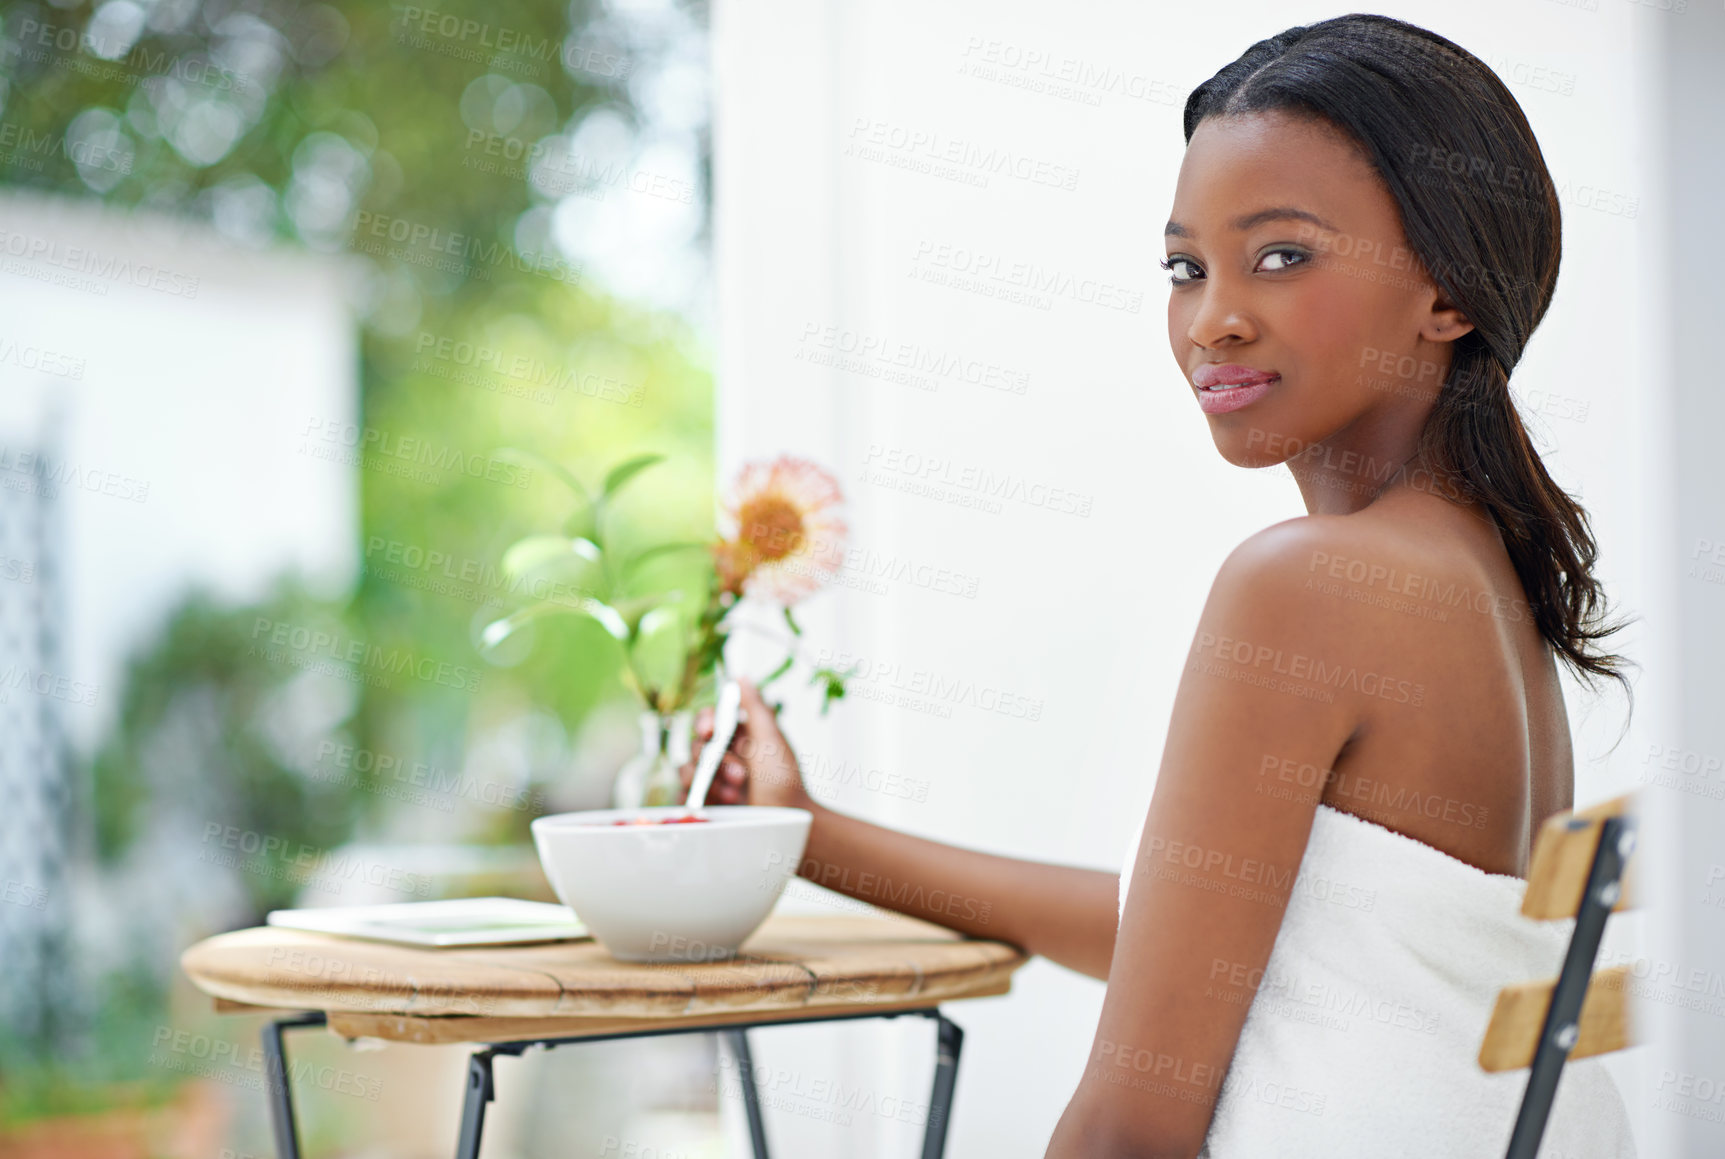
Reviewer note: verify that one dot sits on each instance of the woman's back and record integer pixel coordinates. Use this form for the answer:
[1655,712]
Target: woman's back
[1484,756]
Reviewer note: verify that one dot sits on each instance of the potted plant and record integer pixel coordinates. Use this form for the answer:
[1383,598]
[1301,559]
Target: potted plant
[780,539]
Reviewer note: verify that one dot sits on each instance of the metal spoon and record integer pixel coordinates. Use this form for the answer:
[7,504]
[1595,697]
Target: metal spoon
[725,717]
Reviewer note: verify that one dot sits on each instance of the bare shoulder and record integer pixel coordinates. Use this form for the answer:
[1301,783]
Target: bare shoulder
[1373,608]
[1404,558]
[1287,550]
[1284,563]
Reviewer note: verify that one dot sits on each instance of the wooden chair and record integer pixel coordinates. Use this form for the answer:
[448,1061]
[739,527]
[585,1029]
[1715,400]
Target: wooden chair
[1581,868]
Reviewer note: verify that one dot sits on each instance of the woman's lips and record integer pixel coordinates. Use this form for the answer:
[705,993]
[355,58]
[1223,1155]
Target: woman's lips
[1230,386]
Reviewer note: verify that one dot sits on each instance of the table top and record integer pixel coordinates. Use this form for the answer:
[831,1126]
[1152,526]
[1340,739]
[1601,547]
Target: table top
[794,966]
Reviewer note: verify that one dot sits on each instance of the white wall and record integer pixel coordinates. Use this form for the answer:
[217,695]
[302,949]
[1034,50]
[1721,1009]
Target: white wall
[1686,975]
[178,378]
[1085,617]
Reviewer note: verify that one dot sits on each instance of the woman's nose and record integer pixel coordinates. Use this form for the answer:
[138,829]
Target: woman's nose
[1221,319]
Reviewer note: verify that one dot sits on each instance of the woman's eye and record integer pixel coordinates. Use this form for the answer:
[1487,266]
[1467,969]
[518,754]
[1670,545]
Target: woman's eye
[1281,259]
[1183,270]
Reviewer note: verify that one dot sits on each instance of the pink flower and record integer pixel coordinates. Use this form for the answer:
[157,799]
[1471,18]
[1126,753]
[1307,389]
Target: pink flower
[783,538]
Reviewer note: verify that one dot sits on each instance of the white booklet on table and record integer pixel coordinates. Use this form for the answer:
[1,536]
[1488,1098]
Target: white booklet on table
[465,921]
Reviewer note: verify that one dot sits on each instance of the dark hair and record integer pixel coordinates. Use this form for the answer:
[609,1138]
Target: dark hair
[1480,211]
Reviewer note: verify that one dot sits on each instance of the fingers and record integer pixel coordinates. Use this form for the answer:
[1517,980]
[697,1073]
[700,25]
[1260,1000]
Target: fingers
[703,732]
[757,736]
[729,785]
[762,722]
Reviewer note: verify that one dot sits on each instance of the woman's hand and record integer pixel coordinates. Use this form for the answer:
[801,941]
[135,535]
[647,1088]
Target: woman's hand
[759,768]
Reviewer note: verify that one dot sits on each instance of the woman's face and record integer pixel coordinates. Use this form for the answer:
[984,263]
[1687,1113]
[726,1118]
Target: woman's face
[1291,275]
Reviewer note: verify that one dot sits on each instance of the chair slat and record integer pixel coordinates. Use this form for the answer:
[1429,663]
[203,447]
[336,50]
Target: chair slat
[1562,857]
[1519,1016]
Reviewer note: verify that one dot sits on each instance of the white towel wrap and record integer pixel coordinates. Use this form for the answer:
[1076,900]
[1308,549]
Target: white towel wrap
[1363,1037]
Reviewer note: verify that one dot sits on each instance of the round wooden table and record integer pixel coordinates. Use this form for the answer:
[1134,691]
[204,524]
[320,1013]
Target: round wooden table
[796,968]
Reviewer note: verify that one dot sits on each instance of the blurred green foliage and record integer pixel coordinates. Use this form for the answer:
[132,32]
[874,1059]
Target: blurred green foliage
[372,130]
[208,722]
[380,135]
[105,1071]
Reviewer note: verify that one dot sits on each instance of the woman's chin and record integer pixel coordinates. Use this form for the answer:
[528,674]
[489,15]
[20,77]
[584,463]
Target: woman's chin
[1239,454]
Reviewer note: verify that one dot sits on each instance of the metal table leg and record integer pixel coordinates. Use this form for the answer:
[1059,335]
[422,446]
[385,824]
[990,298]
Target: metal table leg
[481,1083]
[949,1041]
[278,1088]
[480,1089]
[739,1040]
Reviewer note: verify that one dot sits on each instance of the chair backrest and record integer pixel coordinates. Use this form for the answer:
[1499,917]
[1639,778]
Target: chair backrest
[1582,868]
[1562,855]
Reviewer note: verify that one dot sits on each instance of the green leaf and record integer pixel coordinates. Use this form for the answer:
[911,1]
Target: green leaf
[647,555]
[535,551]
[789,620]
[605,615]
[832,686]
[661,643]
[627,470]
[635,610]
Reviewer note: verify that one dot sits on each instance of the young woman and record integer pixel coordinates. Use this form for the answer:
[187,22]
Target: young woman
[1303,950]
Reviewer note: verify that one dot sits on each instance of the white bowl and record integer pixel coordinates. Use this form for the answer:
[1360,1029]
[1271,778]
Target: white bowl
[672,893]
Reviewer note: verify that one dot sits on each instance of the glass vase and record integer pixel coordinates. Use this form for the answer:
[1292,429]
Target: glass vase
[652,776]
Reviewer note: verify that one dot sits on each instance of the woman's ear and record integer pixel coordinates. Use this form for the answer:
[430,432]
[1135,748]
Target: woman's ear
[1446,322]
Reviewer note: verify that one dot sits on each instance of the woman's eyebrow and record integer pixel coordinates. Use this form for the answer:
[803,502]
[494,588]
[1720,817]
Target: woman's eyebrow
[1280,213]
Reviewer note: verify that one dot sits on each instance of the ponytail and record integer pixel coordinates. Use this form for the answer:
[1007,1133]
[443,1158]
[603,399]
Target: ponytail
[1475,433]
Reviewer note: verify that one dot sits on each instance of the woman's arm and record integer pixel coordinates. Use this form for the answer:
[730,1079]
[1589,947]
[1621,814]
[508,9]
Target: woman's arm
[1064,914]
[1270,679]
